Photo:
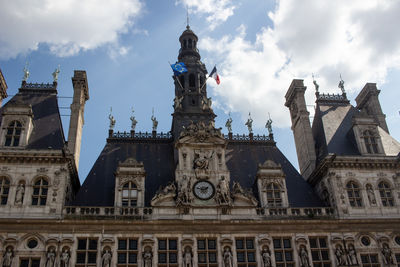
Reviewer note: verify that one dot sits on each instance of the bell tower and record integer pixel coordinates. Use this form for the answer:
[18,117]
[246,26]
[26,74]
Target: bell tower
[191,103]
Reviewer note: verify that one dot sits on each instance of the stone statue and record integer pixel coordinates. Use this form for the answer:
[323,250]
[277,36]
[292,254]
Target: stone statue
[187,257]
[340,256]
[50,257]
[304,257]
[185,187]
[178,102]
[64,261]
[315,84]
[155,123]
[249,124]
[147,258]
[268,125]
[19,195]
[56,73]
[266,257]
[201,160]
[8,257]
[371,195]
[228,124]
[106,259]
[341,85]
[222,191]
[228,258]
[352,256]
[26,73]
[134,121]
[387,254]
[112,120]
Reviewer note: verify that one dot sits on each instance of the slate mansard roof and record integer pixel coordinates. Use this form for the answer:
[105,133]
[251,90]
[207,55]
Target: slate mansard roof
[47,130]
[158,159]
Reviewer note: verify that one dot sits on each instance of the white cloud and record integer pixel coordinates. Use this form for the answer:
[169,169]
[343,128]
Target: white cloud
[359,39]
[217,11]
[66,26]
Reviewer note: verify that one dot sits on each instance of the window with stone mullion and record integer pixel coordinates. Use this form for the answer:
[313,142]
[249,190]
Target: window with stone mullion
[245,252]
[274,198]
[168,252]
[13,133]
[207,252]
[397,256]
[283,252]
[369,260]
[86,254]
[39,195]
[370,142]
[127,252]
[319,251]
[4,189]
[29,262]
[385,193]
[354,195]
[129,195]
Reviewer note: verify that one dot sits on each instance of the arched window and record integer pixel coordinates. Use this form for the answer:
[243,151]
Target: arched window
[13,133]
[386,194]
[370,142]
[353,192]
[274,195]
[192,80]
[4,189]
[184,43]
[39,195]
[190,43]
[129,194]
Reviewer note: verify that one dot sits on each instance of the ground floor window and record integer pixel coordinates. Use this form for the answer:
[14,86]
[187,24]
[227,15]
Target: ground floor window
[29,262]
[370,260]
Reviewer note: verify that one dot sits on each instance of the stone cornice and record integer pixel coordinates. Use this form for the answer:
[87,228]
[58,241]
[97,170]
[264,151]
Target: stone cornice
[353,162]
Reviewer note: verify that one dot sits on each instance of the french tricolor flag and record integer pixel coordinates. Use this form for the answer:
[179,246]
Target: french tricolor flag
[214,74]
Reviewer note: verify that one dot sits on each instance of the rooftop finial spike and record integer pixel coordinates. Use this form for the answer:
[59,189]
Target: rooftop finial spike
[187,17]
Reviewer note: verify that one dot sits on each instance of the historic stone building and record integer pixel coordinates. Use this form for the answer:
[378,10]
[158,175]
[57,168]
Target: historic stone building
[196,196]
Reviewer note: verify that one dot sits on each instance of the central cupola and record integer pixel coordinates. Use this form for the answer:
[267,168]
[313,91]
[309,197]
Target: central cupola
[191,104]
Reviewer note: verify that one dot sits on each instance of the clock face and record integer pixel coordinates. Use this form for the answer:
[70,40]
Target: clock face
[203,190]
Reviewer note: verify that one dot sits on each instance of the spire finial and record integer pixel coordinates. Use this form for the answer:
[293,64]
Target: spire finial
[187,17]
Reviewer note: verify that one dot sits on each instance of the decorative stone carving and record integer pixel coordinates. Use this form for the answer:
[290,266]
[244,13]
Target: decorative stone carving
[222,192]
[178,102]
[168,192]
[8,257]
[147,257]
[352,255]
[133,121]
[228,124]
[106,258]
[371,195]
[19,195]
[239,192]
[249,124]
[42,170]
[51,257]
[341,259]
[65,256]
[202,159]
[187,257]
[201,131]
[304,256]
[184,191]
[266,257]
[227,257]
[155,123]
[387,254]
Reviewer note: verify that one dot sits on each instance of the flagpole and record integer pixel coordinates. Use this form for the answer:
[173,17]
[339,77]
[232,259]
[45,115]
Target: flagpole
[176,79]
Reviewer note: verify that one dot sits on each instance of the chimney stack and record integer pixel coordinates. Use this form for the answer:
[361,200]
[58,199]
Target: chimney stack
[81,94]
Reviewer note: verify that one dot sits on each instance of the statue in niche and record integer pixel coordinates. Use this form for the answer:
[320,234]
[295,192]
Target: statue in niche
[201,159]
[352,255]
[222,192]
[147,257]
[19,195]
[65,256]
[266,257]
[249,124]
[340,256]
[228,123]
[371,195]
[187,257]
[184,186]
[8,257]
[228,258]
[304,257]
[50,257]
[387,254]
[106,259]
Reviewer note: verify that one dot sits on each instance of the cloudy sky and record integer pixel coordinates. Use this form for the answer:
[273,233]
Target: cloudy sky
[258,47]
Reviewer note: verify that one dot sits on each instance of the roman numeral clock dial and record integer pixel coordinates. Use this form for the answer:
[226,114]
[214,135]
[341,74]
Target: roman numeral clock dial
[203,190]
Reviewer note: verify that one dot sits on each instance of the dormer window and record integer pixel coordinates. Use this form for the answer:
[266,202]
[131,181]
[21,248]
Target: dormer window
[274,198]
[13,133]
[129,194]
[370,142]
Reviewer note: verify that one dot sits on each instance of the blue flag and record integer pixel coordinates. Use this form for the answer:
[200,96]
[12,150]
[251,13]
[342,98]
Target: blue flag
[179,68]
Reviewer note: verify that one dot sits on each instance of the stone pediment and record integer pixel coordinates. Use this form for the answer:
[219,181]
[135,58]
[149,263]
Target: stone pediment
[201,133]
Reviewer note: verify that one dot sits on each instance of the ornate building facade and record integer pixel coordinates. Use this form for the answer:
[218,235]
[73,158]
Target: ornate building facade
[196,196]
